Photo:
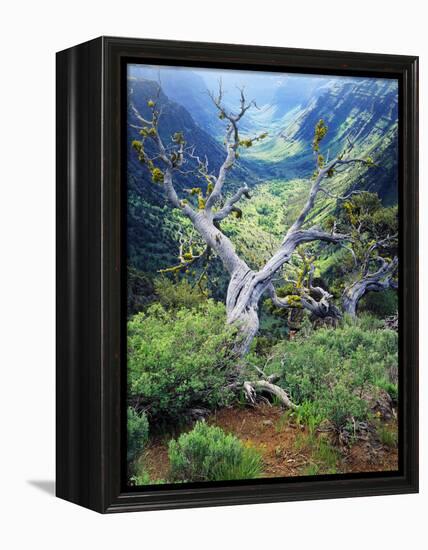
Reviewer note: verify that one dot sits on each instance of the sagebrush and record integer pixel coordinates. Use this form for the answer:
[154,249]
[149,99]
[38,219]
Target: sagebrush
[207,453]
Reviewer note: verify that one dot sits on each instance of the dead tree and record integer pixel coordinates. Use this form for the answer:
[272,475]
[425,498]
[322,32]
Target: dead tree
[246,286]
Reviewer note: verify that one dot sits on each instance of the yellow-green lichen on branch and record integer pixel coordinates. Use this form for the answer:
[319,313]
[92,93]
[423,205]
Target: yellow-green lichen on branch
[157,175]
[320,132]
[294,301]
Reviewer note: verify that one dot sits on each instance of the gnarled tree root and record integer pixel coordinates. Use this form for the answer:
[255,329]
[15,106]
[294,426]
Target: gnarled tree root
[252,388]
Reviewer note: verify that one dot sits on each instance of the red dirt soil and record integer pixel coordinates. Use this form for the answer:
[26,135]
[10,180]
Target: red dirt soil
[265,428]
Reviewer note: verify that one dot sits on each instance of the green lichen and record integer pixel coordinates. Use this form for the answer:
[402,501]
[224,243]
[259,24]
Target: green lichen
[157,175]
[201,202]
[349,209]
[319,134]
[137,145]
[178,137]
[294,301]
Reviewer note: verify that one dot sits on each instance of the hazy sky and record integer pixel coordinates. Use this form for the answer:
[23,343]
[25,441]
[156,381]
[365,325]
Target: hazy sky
[258,84]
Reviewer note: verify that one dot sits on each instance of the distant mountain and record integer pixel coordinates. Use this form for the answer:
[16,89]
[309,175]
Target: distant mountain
[297,91]
[350,107]
[368,108]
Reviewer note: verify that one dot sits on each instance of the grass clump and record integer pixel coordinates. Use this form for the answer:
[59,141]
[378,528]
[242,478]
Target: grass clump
[207,453]
[387,435]
[323,456]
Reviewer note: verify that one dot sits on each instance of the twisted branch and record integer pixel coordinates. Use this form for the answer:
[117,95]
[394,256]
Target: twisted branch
[232,141]
[230,204]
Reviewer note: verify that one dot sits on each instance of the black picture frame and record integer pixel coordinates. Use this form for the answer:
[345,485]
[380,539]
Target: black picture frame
[91,386]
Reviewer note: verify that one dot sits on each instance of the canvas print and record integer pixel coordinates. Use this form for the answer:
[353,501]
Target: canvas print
[262,275]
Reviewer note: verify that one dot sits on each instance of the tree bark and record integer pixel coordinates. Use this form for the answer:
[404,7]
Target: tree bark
[382,279]
[242,308]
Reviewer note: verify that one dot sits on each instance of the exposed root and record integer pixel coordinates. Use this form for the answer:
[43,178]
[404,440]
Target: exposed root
[199,413]
[249,392]
[251,389]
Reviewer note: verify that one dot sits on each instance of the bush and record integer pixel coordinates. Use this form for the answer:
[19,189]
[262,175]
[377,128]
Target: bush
[179,293]
[207,453]
[138,432]
[179,361]
[342,407]
[382,304]
[334,368]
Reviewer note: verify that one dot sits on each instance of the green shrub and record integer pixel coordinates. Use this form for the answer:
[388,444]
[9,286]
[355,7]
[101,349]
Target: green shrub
[176,294]
[207,453]
[330,372]
[181,360]
[309,414]
[138,432]
[342,407]
[365,321]
[382,304]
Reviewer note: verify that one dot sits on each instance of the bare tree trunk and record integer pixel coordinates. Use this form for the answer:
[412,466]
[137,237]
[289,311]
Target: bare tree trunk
[246,287]
[247,323]
[242,308]
[351,297]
